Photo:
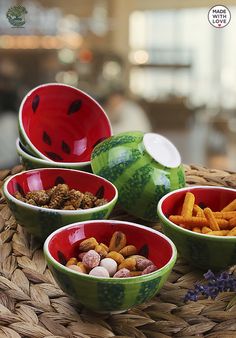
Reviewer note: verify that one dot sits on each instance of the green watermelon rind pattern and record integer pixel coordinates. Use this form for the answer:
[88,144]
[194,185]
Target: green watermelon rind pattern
[198,252]
[110,143]
[42,223]
[147,290]
[100,214]
[110,296]
[49,223]
[181,177]
[160,191]
[119,164]
[132,190]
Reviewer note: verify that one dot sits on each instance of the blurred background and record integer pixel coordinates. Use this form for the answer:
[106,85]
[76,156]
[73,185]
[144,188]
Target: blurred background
[154,65]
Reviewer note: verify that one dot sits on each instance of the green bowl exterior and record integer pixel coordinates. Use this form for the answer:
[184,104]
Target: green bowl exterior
[41,222]
[140,180]
[23,140]
[202,251]
[107,295]
[32,162]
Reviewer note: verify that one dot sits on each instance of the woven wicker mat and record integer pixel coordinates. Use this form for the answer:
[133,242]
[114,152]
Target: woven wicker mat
[31,304]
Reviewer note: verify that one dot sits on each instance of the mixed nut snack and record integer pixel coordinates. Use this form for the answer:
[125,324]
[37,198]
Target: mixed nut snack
[117,260]
[204,220]
[61,197]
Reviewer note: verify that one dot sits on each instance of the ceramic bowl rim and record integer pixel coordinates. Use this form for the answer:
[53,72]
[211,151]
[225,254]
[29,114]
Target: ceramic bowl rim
[128,280]
[186,231]
[71,165]
[32,146]
[61,212]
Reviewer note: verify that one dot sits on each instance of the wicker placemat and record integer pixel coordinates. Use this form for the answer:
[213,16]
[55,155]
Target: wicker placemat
[31,305]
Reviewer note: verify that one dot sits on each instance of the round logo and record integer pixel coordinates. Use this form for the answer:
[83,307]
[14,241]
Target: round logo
[16,15]
[219,16]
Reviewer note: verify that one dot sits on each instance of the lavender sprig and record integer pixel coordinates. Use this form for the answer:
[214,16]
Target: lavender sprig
[215,284]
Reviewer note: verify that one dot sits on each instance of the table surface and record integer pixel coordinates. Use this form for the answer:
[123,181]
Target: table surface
[32,305]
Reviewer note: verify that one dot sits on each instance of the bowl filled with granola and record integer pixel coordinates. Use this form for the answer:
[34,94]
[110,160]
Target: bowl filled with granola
[109,266]
[42,200]
[201,221]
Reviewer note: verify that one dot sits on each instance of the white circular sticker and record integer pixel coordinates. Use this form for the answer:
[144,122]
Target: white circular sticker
[219,16]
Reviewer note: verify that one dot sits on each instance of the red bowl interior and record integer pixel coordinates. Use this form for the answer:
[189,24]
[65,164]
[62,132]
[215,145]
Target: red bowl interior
[65,243]
[47,178]
[63,123]
[215,198]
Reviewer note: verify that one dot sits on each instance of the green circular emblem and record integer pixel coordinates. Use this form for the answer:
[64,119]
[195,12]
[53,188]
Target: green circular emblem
[16,15]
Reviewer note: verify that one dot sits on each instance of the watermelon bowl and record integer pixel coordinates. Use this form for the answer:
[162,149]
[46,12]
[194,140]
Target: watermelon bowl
[109,295]
[200,250]
[32,162]
[40,221]
[143,167]
[62,124]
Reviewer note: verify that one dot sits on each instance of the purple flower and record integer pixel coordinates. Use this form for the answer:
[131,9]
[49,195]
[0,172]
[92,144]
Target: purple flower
[209,275]
[215,284]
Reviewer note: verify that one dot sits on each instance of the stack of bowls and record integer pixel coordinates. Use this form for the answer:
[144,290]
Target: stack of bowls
[62,128]
[59,126]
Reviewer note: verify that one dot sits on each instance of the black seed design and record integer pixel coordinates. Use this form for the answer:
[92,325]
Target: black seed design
[35,103]
[202,205]
[74,107]
[144,251]
[99,141]
[19,188]
[65,147]
[47,138]
[59,180]
[100,192]
[61,257]
[53,156]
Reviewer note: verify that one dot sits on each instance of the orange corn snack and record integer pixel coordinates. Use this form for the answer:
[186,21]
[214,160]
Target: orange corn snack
[188,204]
[224,214]
[205,230]
[219,233]
[205,221]
[195,221]
[232,222]
[230,207]
[197,229]
[232,232]
[198,211]
[211,219]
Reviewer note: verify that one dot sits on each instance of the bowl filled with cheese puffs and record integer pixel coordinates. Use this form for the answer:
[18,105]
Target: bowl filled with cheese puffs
[201,221]
[43,200]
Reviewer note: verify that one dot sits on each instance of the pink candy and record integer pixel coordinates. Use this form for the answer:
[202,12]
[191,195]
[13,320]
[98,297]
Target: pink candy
[91,259]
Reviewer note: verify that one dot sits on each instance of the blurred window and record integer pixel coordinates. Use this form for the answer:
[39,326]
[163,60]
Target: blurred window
[178,53]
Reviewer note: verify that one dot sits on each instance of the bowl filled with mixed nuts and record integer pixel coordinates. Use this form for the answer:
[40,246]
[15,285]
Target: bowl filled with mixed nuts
[109,266]
[42,200]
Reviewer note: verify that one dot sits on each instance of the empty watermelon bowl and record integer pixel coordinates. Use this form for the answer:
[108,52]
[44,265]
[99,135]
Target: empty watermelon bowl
[32,162]
[109,294]
[203,250]
[41,218]
[60,123]
[143,167]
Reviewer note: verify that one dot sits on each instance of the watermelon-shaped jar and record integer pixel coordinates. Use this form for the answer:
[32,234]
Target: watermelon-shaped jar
[143,167]
[62,124]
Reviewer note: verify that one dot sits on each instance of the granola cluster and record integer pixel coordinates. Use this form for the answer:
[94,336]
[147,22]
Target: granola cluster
[61,197]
